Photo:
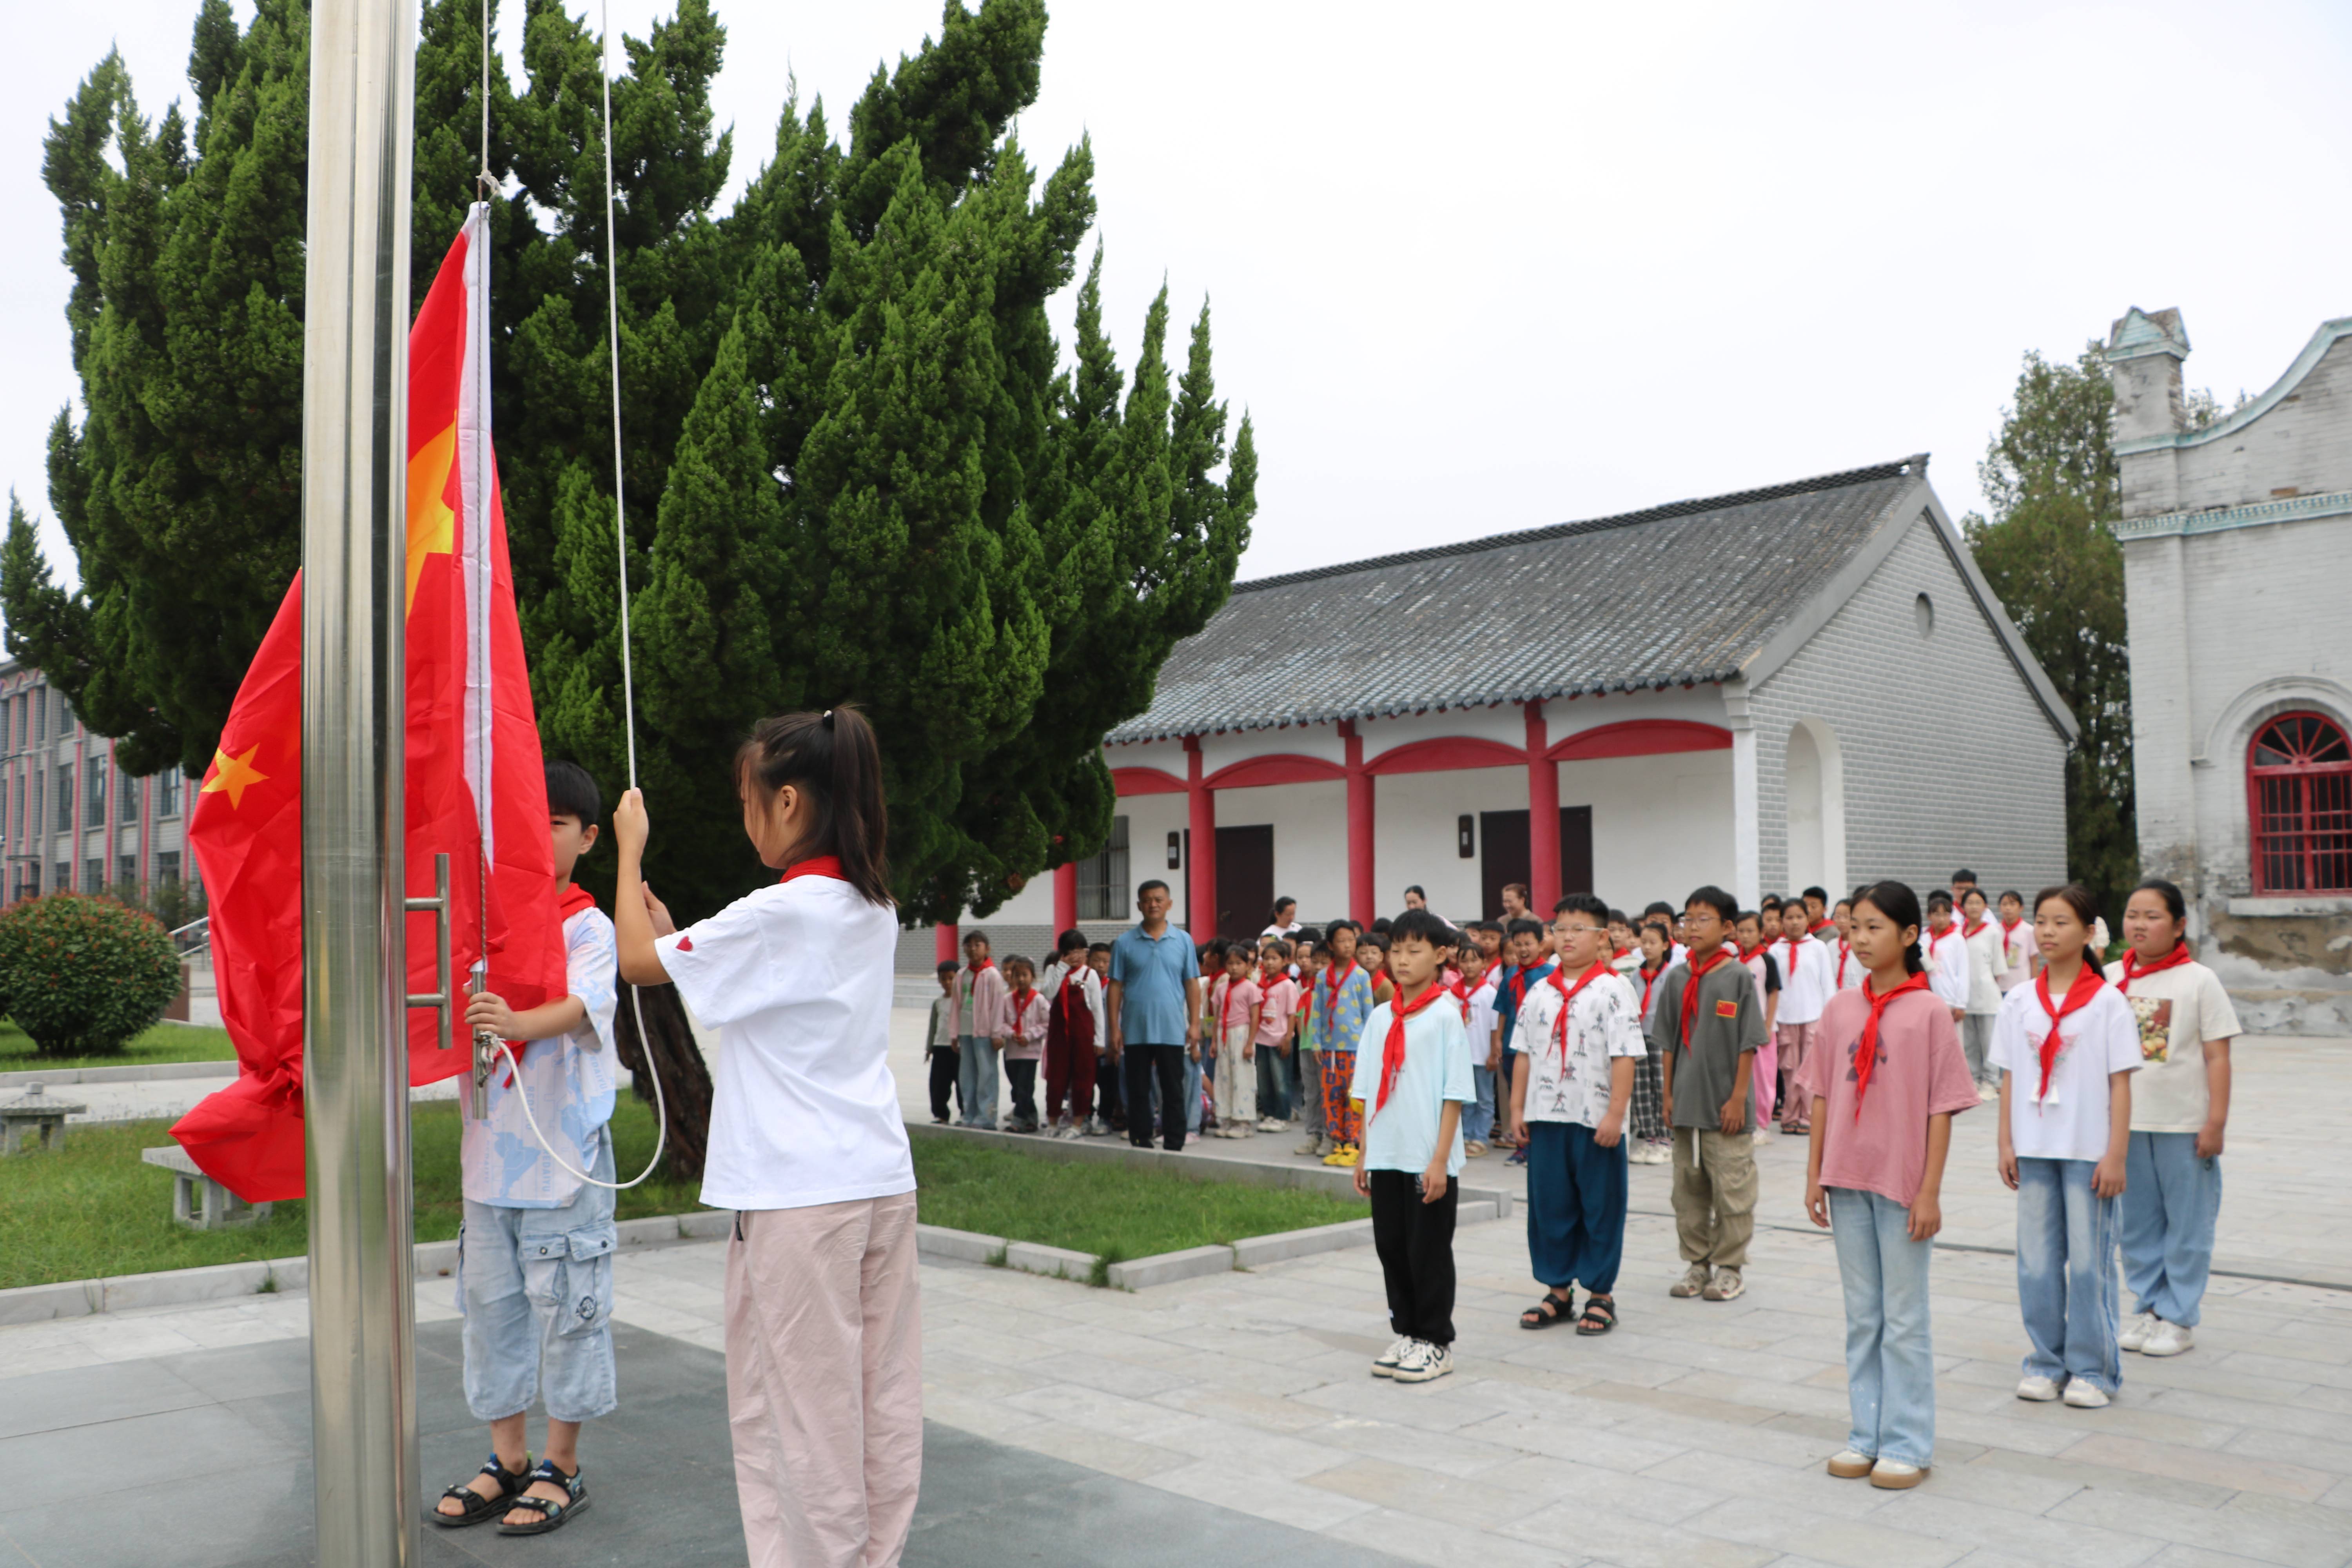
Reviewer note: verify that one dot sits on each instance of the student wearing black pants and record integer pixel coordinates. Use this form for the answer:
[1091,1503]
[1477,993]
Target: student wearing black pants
[1414,1241]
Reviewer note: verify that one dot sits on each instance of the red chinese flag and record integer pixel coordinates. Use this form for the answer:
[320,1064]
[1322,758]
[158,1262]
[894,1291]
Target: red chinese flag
[475,789]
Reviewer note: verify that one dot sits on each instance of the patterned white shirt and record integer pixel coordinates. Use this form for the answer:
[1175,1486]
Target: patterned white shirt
[570,1079]
[1603,1022]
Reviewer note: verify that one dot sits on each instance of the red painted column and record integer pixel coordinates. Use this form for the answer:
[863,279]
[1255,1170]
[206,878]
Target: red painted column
[1201,872]
[1543,815]
[1066,896]
[1362,900]
[948,942]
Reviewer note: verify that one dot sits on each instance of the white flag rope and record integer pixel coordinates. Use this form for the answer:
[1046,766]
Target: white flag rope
[487,1045]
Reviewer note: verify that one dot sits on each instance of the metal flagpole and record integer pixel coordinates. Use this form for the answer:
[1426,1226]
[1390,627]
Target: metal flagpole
[355,1076]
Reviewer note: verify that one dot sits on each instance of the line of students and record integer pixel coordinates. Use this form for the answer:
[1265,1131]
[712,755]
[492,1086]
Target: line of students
[1873,1078]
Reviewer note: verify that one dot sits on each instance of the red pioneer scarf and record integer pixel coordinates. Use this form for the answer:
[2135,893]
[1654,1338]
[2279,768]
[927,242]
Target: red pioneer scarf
[2134,969]
[1968,931]
[1866,1050]
[1335,978]
[1392,1046]
[1076,977]
[1788,970]
[1226,1009]
[2078,996]
[818,865]
[1649,983]
[1845,952]
[1021,1000]
[1690,988]
[574,900]
[1567,995]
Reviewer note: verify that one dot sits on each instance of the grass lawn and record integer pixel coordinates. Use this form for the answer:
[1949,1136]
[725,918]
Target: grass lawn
[163,1042]
[93,1210]
[1115,1212]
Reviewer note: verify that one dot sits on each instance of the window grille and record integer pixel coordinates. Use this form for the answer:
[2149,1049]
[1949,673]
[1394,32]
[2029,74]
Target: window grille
[2299,796]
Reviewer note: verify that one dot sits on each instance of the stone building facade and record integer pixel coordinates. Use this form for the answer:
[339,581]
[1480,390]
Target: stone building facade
[2237,541]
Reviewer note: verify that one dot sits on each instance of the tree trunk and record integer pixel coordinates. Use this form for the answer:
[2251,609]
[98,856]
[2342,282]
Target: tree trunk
[685,1081]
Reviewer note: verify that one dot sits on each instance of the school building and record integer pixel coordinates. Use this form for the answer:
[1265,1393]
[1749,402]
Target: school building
[71,820]
[1806,683]
[2237,541]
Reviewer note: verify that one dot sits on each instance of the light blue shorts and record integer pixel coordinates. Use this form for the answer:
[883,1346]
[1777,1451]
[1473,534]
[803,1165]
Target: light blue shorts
[536,1287]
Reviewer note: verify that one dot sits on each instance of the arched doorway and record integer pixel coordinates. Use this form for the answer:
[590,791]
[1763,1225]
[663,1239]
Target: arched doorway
[1813,773]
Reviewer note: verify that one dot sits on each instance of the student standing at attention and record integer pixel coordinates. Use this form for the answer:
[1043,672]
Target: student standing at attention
[1711,1024]
[977,1005]
[2018,956]
[942,1052]
[1649,1084]
[1478,980]
[1530,965]
[1946,955]
[1805,990]
[533,1327]
[1580,1035]
[1982,937]
[1748,933]
[1412,1079]
[1885,1084]
[1025,1020]
[1277,1000]
[1237,1007]
[1154,1002]
[2180,1109]
[1074,1031]
[2066,1047]
[1343,1000]
[825,1348]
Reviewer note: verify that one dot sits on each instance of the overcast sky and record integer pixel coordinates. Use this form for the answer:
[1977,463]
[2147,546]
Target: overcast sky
[1489,266]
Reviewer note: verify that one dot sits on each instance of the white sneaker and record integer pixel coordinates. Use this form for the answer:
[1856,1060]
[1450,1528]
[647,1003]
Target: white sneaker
[1851,1465]
[2136,1328]
[1268,1124]
[1385,1363]
[2084,1395]
[1424,1362]
[2167,1339]
[1894,1475]
[2040,1390]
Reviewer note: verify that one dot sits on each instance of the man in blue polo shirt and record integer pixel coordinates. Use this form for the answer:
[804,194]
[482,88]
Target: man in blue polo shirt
[1154,1005]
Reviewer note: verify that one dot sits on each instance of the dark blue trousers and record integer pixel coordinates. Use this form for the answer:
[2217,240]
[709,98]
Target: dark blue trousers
[1576,1206]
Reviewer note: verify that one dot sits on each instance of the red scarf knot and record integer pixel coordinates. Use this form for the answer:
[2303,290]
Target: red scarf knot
[1393,1043]
[1866,1050]
[2134,968]
[2086,986]
[1567,995]
[1715,961]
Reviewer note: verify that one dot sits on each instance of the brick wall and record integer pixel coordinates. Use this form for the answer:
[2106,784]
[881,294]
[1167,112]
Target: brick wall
[1949,759]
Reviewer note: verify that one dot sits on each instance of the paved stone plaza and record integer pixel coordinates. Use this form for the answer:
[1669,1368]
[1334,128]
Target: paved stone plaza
[1692,1438]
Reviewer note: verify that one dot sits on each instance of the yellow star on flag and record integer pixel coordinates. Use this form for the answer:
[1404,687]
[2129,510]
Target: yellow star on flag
[235,774]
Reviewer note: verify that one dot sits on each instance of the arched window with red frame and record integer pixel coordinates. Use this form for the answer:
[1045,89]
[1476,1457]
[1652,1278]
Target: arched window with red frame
[2299,793]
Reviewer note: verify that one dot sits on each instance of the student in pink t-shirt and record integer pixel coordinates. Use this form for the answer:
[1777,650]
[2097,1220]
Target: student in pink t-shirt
[1277,1000]
[1886,1081]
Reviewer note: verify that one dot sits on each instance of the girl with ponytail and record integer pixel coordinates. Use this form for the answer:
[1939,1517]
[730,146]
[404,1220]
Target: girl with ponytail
[1885,1078]
[807,1144]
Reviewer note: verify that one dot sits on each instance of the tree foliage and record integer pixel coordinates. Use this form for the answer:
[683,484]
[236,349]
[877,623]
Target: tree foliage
[853,466]
[2052,484]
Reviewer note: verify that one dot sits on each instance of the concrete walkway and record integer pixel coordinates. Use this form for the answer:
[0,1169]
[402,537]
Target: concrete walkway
[1692,1438]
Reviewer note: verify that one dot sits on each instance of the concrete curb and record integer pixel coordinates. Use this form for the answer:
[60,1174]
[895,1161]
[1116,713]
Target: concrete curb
[1167,1267]
[138,1072]
[228,1281]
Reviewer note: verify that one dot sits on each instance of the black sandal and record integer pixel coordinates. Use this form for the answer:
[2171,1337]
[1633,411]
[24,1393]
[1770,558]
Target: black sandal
[1599,1315]
[477,1507]
[1554,1308]
[551,1514]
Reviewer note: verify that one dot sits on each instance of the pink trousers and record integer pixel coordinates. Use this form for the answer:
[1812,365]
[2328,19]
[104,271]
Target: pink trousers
[825,1382]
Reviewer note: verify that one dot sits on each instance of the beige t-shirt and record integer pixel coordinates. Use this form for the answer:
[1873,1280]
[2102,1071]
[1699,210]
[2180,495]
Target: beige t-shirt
[2178,1010]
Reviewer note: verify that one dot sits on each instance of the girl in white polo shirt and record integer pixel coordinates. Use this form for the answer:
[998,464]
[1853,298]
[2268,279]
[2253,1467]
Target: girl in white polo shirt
[807,1144]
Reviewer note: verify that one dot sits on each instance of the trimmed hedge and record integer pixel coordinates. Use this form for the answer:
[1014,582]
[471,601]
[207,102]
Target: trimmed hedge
[82,975]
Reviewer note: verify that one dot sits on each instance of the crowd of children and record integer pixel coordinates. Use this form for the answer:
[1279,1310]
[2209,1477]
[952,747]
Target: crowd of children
[1684,1036]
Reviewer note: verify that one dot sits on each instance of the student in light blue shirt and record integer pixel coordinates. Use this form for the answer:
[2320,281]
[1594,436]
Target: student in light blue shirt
[1411,1080]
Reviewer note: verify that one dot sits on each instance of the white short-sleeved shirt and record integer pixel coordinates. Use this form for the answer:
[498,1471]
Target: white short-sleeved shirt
[1402,1134]
[1603,1022]
[1481,1021]
[2097,1039]
[570,1080]
[1984,966]
[1805,988]
[2017,950]
[2175,1011]
[796,980]
[1947,957]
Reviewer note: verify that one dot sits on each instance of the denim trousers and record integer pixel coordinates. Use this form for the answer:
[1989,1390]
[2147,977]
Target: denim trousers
[1273,1082]
[976,1078]
[2170,1200]
[1192,1093]
[536,1287]
[1890,1357]
[1478,1116]
[1307,1087]
[2067,1274]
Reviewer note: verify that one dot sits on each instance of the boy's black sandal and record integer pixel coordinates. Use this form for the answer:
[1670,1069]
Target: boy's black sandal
[477,1507]
[1599,1315]
[551,1514]
[1554,1308]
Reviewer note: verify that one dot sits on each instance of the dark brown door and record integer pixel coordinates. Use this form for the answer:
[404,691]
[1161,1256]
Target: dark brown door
[1244,880]
[1505,857]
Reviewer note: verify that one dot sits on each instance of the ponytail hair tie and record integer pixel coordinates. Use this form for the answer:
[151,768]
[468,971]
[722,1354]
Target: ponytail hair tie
[828,718]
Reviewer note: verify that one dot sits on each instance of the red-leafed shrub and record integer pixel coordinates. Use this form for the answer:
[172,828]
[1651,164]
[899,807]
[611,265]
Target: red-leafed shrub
[82,975]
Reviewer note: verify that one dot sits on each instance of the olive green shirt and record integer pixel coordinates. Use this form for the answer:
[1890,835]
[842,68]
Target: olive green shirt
[1727,1021]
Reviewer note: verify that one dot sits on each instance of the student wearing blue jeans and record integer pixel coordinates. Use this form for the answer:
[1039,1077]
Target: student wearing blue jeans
[2066,1048]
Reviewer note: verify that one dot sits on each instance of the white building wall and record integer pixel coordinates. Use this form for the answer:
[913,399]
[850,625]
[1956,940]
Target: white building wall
[1661,825]
[1414,834]
[1310,841]
[1948,758]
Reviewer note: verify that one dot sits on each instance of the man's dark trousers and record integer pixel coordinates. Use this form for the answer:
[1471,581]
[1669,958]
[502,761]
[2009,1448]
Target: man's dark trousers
[1142,1064]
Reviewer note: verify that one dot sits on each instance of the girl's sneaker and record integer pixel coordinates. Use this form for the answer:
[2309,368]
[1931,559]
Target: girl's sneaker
[1385,1363]
[1896,1476]
[2167,1339]
[1851,1466]
[2136,1330]
[2084,1395]
[1423,1362]
[2040,1390]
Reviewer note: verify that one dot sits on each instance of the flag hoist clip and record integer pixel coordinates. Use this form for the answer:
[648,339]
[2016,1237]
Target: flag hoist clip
[439,998]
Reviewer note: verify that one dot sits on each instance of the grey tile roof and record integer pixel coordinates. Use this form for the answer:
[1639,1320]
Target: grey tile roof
[1674,595]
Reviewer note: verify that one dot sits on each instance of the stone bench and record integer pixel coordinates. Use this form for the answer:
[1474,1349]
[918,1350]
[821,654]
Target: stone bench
[35,1119]
[198,1201]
